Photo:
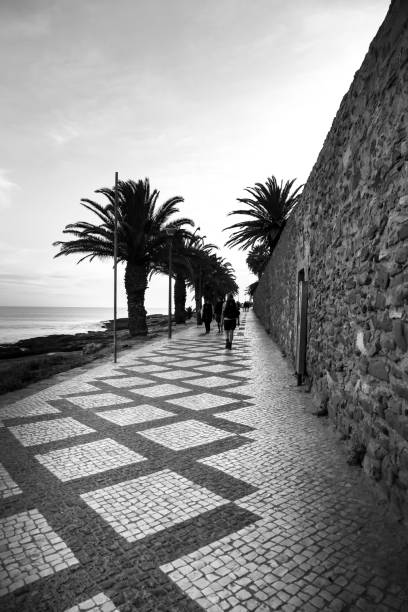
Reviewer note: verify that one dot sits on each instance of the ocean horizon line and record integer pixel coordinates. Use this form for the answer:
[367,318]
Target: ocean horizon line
[23,322]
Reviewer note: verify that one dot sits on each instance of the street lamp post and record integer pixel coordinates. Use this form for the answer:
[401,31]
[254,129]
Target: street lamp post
[170,231]
[115,265]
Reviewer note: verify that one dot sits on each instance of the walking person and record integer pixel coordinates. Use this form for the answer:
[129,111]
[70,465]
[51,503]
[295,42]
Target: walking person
[230,313]
[218,313]
[207,315]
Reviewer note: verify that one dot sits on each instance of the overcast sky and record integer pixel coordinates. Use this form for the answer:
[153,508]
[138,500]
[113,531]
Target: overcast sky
[204,97]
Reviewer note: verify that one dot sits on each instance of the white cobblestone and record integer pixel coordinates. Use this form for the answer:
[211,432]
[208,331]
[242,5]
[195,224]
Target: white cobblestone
[40,549]
[202,401]
[175,374]
[42,432]
[99,400]
[129,381]
[186,434]
[149,504]
[211,381]
[189,363]
[134,414]
[160,390]
[87,459]
[148,369]
[97,603]
[8,487]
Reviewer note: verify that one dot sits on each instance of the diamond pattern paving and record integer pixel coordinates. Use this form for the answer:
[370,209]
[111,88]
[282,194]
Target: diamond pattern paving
[147,369]
[276,521]
[30,550]
[151,503]
[211,381]
[202,401]
[161,359]
[220,367]
[179,436]
[160,390]
[189,363]
[134,414]
[99,400]
[87,459]
[175,374]
[42,432]
[129,381]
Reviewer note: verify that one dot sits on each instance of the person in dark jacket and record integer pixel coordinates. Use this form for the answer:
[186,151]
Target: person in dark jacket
[207,315]
[230,313]
[218,313]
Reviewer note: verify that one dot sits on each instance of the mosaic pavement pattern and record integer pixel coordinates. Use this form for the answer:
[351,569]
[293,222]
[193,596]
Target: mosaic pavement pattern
[185,478]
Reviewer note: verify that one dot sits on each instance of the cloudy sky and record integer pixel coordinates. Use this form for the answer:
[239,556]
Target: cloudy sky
[204,97]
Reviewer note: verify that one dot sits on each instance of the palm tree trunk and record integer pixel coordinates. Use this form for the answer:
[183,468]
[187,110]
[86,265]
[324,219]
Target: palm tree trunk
[135,285]
[197,297]
[180,295]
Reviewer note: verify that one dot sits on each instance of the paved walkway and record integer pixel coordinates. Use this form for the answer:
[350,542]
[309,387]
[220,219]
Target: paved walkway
[188,477]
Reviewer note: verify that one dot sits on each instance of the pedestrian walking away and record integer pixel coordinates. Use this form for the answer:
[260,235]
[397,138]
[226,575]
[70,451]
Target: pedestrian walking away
[239,313]
[230,313]
[207,315]
[218,313]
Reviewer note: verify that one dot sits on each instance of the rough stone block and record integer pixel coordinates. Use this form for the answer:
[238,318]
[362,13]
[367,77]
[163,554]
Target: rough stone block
[403,478]
[380,301]
[382,277]
[372,467]
[403,231]
[379,369]
[375,450]
[401,389]
[388,471]
[387,341]
[401,256]
[399,334]
[403,459]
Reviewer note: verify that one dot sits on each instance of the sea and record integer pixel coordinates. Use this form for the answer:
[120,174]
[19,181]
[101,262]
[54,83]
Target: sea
[21,322]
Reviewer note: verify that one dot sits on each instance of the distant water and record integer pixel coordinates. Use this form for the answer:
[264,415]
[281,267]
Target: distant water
[20,322]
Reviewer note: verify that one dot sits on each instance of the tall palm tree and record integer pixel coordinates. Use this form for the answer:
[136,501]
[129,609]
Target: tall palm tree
[181,270]
[268,207]
[142,238]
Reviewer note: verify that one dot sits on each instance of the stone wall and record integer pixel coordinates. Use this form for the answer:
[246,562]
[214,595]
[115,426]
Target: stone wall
[350,236]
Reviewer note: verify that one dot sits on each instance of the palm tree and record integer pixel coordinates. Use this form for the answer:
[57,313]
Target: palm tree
[142,238]
[252,288]
[257,259]
[219,278]
[269,207]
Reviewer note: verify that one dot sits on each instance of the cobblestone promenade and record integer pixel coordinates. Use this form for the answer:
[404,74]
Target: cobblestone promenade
[188,477]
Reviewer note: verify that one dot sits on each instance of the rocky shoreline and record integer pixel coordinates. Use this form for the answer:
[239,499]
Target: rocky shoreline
[35,359]
[88,342]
